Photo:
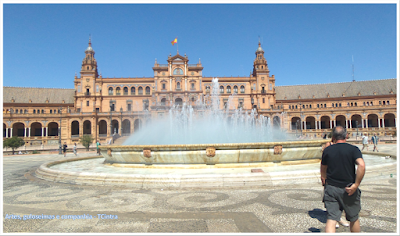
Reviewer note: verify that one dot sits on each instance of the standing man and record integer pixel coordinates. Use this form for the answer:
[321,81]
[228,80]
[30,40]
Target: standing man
[364,141]
[97,147]
[374,140]
[65,148]
[341,181]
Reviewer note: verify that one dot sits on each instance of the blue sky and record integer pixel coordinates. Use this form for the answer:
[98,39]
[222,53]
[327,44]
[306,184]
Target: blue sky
[44,44]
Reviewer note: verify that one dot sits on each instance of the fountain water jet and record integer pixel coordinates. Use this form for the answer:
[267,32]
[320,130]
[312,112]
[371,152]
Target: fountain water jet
[210,135]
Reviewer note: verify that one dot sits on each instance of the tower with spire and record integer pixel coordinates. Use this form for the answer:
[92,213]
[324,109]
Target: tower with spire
[88,86]
[263,85]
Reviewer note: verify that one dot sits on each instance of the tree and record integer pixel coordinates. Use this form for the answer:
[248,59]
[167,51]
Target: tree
[14,143]
[86,140]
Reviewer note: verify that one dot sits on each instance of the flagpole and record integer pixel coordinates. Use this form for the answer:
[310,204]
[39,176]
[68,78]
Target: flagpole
[177,48]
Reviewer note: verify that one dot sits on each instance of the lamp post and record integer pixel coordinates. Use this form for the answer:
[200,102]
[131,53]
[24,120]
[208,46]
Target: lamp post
[301,122]
[111,127]
[59,132]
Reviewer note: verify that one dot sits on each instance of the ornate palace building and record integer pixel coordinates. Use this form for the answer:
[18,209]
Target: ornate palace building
[105,107]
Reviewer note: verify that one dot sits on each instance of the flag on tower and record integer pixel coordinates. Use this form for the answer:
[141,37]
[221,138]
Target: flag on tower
[174,41]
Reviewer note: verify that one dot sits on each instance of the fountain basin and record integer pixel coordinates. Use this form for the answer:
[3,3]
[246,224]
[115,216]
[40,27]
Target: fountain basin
[212,154]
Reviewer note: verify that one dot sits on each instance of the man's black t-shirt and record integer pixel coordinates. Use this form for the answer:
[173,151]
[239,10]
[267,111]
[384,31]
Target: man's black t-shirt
[341,160]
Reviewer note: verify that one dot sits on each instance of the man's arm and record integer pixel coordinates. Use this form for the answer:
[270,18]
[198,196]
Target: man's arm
[359,176]
[323,173]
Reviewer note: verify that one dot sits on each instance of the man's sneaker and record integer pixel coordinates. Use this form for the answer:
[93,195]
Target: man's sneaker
[344,223]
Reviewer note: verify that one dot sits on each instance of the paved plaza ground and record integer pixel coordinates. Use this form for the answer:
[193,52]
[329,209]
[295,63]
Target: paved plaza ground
[290,208]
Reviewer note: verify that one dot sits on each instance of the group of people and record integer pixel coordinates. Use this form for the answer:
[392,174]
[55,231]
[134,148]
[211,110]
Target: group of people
[341,180]
[374,140]
[74,148]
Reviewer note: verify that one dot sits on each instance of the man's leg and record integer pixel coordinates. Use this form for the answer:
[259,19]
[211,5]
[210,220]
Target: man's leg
[330,226]
[354,226]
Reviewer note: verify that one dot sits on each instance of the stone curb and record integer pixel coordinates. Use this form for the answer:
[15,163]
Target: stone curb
[168,181]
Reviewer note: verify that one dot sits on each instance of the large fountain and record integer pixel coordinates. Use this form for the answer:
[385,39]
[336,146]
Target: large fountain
[203,147]
[210,135]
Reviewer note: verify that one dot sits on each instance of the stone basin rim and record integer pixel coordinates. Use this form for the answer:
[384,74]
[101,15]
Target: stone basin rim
[303,143]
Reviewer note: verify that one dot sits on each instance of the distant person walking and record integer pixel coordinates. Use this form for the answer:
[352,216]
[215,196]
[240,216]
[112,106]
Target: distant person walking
[374,141]
[65,148]
[97,147]
[341,181]
[364,141]
[74,148]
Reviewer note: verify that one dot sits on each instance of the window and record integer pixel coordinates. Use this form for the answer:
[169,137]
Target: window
[228,89]
[317,105]
[129,107]
[51,111]
[79,88]
[221,89]
[325,105]
[87,92]
[192,85]
[242,89]
[43,112]
[178,85]
[387,103]
[125,90]
[340,105]
[112,107]
[270,86]
[38,111]
[178,71]
[163,101]
[87,103]
[163,86]
[263,100]
[118,91]
[380,103]
[133,92]
[235,89]
[147,90]
[26,111]
[16,111]
[97,88]
[110,91]
[140,91]
[355,104]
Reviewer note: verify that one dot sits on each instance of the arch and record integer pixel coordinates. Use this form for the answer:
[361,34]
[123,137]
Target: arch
[75,128]
[178,102]
[389,119]
[125,90]
[52,129]
[147,90]
[87,127]
[110,91]
[276,121]
[118,91]
[4,130]
[310,122]
[36,129]
[235,89]
[221,89]
[178,71]
[341,120]
[325,122]
[356,121]
[242,89]
[126,127]
[19,129]
[296,123]
[140,91]
[178,85]
[133,91]
[115,127]
[163,101]
[228,89]
[372,120]
[137,125]
[102,128]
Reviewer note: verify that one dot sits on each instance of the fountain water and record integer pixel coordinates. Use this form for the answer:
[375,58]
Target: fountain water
[210,135]
[208,123]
